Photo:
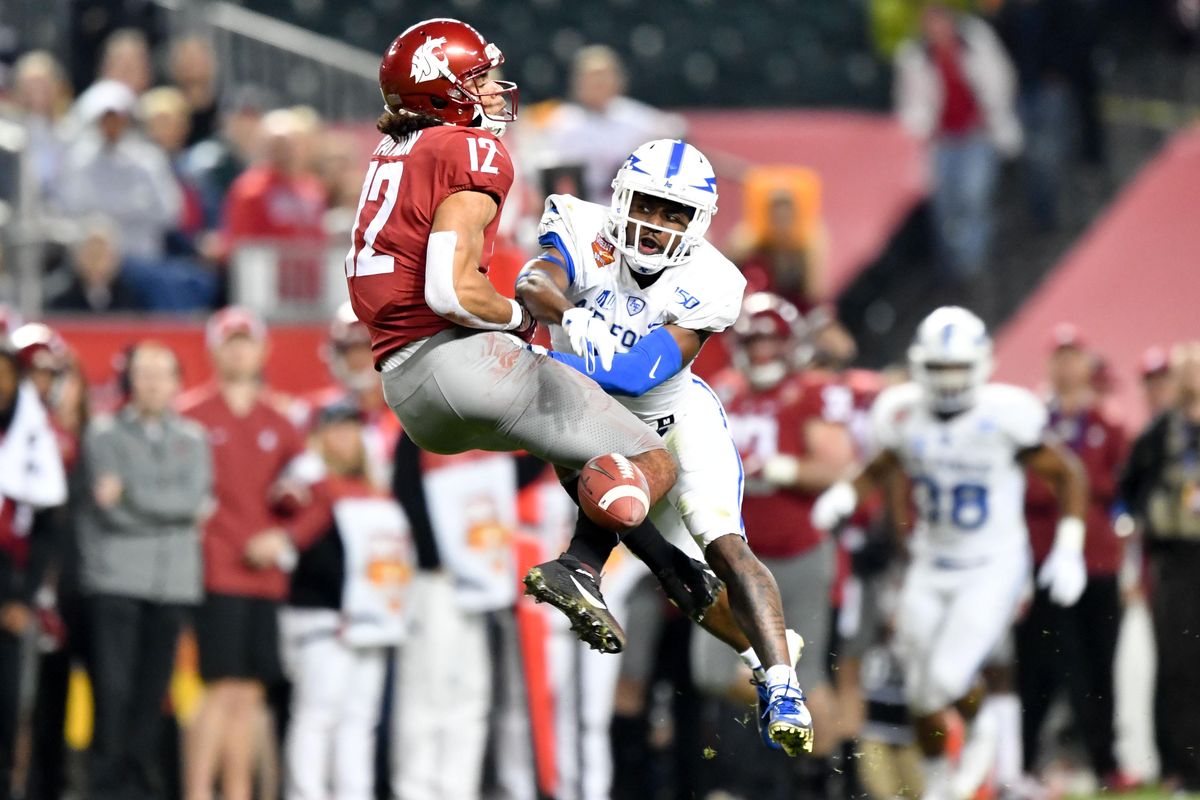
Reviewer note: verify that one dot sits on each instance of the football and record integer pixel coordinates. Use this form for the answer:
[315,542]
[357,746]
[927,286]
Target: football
[613,492]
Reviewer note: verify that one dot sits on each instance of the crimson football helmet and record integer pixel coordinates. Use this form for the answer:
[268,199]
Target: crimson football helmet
[768,316]
[428,69]
[40,347]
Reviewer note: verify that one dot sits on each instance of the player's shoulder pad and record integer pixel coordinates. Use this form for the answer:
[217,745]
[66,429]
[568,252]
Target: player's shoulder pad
[895,403]
[1016,410]
[1006,398]
[717,267]
[448,139]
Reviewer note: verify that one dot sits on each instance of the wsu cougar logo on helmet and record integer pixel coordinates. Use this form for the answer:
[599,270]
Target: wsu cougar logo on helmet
[429,62]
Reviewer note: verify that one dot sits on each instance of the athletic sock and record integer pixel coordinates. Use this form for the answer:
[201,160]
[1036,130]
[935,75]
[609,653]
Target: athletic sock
[1006,708]
[591,544]
[648,544]
[751,660]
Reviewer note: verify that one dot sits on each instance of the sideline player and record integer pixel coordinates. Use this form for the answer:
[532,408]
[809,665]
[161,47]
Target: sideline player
[453,372]
[964,444]
[639,279]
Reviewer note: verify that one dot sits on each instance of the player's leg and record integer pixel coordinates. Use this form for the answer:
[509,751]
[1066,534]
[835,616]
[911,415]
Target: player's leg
[485,391]
[980,607]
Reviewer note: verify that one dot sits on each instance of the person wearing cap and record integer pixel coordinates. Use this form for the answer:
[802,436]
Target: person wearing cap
[32,481]
[1160,485]
[112,171]
[1158,384]
[1073,649]
[149,479]
[245,547]
[347,603]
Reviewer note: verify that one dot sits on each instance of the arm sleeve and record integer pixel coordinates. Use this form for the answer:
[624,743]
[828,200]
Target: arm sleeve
[648,363]
[1141,470]
[100,458]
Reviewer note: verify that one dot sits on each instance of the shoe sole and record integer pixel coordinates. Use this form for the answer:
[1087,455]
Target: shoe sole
[593,631]
[794,739]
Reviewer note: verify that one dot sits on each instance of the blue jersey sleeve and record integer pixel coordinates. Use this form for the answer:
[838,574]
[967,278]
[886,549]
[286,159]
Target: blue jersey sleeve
[648,363]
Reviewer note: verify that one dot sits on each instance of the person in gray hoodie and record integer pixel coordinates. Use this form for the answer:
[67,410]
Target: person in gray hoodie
[150,476]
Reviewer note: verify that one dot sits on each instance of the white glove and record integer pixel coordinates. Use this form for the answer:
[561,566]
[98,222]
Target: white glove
[590,338]
[1064,571]
[781,470]
[834,505]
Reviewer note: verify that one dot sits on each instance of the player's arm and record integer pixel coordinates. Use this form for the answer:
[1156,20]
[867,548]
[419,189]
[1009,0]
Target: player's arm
[1062,472]
[454,286]
[1064,572]
[542,287]
[840,500]
[657,356]
[830,455]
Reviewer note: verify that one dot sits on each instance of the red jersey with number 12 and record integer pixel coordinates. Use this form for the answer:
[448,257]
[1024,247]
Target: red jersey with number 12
[405,183]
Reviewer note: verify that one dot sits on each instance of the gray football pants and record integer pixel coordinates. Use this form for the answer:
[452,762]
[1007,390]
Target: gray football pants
[462,390]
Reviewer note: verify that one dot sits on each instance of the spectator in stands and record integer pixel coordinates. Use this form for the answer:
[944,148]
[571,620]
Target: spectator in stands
[1073,649]
[215,163]
[787,257]
[346,605]
[1161,487]
[275,203]
[601,126]
[1158,383]
[244,555]
[194,73]
[166,117]
[32,480]
[150,479]
[125,60]
[955,88]
[41,95]
[112,171]
[98,284]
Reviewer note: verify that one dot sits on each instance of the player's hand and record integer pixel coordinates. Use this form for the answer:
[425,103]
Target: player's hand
[528,328]
[834,505]
[590,338]
[1064,574]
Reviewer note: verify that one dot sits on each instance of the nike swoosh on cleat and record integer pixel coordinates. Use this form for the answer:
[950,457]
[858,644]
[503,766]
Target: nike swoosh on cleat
[654,369]
[593,601]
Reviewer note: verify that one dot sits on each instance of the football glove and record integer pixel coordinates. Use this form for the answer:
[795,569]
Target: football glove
[1064,572]
[590,338]
[834,505]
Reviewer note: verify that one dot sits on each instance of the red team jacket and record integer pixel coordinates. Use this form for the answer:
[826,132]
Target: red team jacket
[248,453]
[1101,445]
[404,185]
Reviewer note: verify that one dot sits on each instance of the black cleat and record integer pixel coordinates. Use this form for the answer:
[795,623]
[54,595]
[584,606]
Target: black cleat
[571,588]
[692,591]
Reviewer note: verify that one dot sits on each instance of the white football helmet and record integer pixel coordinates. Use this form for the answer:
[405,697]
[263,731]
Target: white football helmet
[951,357]
[674,170]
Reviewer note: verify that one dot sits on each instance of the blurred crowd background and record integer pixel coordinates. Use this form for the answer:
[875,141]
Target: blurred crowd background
[178,179]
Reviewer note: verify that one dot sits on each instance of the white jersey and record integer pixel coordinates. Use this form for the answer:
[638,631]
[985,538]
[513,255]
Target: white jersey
[703,294]
[967,483]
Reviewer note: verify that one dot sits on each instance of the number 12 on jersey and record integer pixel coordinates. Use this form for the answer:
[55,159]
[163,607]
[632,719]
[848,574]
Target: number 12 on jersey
[968,503]
[365,261]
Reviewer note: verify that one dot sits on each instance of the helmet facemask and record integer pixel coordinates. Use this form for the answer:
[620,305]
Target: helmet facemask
[951,387]
[680,243]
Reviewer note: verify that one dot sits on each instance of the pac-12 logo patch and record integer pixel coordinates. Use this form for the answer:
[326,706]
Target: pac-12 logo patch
[429,61]
[602,249]
[634,305]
